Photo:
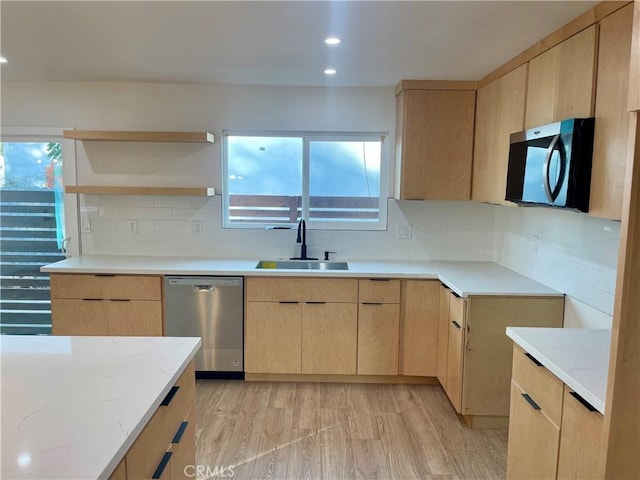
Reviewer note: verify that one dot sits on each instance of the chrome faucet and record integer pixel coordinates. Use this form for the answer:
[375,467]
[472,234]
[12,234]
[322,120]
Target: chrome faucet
[302,238]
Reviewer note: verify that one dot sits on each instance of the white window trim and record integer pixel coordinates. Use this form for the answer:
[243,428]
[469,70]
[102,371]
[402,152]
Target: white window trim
[73,248]
[308,136]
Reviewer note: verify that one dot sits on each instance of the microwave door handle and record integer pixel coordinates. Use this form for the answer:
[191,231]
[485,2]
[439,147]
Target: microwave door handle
[546,167]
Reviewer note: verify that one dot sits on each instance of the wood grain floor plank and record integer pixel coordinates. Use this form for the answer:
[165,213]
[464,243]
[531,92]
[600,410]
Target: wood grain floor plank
[305,456]
[306,414]
[331,431]
[335,440]
[362,421]
[369,460]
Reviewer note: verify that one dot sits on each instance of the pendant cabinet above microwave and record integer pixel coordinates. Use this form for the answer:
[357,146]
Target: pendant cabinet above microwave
[434,139]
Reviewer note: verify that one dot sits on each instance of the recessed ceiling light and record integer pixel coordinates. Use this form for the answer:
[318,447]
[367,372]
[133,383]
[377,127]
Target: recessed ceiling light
[332,40]
[330,71]
[3,60]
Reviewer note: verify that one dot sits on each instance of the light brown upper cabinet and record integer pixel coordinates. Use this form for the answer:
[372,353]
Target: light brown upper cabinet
[612,118]
[434,143]
[562,80]
[634,74]
[500,112]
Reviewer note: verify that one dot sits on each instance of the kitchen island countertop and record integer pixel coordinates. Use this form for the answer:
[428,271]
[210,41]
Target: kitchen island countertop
[73,406]
[464,278]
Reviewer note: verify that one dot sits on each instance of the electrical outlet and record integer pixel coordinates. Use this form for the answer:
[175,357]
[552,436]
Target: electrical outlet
[403,231]
[196,227]
[86,225]
[133,227]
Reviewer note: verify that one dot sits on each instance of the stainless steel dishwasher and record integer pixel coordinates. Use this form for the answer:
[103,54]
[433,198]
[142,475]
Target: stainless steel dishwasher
[211,308]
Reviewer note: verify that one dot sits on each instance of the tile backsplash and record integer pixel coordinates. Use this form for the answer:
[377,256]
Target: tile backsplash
[571,252]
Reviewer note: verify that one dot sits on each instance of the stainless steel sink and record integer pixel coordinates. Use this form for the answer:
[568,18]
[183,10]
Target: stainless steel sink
[301,265]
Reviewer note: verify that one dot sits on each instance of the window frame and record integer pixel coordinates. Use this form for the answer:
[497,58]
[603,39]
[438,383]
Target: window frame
[308,137]
[73,247]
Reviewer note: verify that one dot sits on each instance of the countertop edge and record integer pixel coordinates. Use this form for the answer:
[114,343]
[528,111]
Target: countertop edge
[133,435]
[559,372]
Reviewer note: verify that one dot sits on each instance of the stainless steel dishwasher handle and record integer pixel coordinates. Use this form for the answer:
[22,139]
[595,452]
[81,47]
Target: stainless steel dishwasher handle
[204,288]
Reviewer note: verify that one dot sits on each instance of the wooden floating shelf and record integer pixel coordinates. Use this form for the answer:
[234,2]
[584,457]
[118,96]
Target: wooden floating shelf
[128,136]
[108,190]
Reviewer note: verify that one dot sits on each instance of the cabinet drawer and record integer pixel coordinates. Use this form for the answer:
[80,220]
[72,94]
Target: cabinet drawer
[78,317]
[147,451]
[538,382]
[280,289]
[380,290]
[457,307]
[123,287]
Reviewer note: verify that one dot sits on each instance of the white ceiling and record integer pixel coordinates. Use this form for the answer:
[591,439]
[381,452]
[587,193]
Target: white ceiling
[271,43]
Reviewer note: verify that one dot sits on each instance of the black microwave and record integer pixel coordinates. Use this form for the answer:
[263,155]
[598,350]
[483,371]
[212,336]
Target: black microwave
[551,165]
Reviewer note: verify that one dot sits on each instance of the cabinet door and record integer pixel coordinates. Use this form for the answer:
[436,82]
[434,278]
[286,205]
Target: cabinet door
[455,363]
[436,144]
[634,65]
[576,76]
[329,338]
[581,453]
[533,439]
[420,314]
[137,318]
[378,338]
[562,81]
[612,125]
[500,112]
[443,335]
[78,317]
[483,159]
[273,337]
[509,119]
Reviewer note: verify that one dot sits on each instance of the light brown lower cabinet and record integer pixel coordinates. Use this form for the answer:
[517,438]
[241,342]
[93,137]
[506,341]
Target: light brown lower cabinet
[166,446]
[443,335]
[581,453]
[119,305]
[420,308]
[329,338]
[273,337]
[455,350]
[533,439]
[378,332]
[553,431]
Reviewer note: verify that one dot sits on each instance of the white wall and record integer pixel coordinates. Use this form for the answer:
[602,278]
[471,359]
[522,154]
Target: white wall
[571,252]
[575,253]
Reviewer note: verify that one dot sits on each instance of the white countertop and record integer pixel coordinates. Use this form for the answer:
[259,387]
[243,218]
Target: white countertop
[464,278]
[577,356]
[72,406]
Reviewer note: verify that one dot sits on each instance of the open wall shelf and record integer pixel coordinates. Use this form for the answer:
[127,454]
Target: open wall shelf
[113,190]
[129,136]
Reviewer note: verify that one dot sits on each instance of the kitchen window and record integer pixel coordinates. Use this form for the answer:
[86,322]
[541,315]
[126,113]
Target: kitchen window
[332,181]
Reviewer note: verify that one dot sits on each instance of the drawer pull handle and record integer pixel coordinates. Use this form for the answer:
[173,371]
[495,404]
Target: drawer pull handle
[372,303]
[533,359]
[289,303]
[119,300]
[92,299]
[316,303]
[169,397]
[584,403]
[379,279]
[178,436]
[456,324]
[455,294]
[105,275]
[162,465]
[530,401]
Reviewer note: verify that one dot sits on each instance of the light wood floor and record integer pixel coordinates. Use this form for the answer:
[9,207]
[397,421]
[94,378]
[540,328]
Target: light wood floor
[332,431]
